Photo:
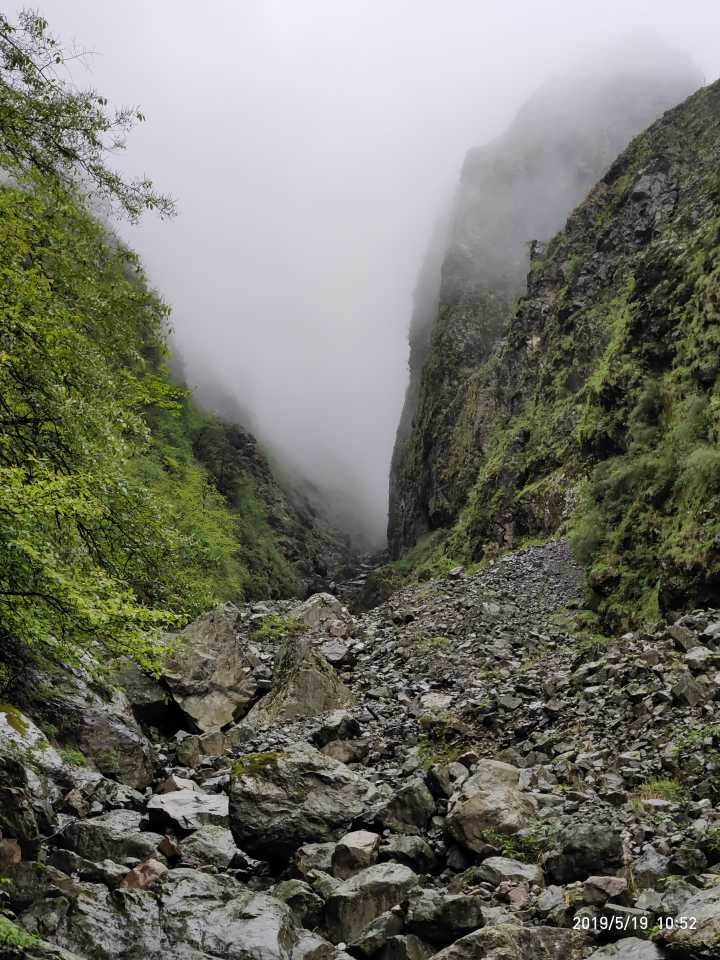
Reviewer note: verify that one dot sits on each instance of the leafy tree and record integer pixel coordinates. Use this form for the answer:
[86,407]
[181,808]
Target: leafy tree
[50,128]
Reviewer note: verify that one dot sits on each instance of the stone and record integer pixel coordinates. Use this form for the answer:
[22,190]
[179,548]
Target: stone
[96,922]
[346,751]
[335,652]
[409,810]
[489,800]
[305,904]
[650,868]
[354,852]
[337,725]
[442,918]
[581,850]
[279,801]
[444,779]
[174,783]
[304,685]
[510,941]
[323,611]
[144,875]
[17,816]
[112,836]
[105,871]
[496,870]
[103,729]
[405,947]
[702,941]
[210,845]
[598,890]
[311,946]
[187,810]
[211,673]
[377,933]
[221,918]
[362,898]
[413,851]
[314,856]
[688,690]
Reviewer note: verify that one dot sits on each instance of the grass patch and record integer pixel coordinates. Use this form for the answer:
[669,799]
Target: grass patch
[275,627]
[660,789]
[72,758]
[252,764]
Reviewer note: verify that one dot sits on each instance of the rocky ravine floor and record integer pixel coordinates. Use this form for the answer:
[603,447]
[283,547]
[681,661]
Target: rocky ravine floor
[454,773]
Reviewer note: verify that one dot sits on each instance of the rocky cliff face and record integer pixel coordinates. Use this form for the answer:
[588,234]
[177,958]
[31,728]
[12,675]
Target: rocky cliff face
[605,386]
[514,190]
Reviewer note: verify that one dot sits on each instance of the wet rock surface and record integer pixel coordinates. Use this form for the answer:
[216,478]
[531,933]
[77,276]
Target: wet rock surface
[496,785]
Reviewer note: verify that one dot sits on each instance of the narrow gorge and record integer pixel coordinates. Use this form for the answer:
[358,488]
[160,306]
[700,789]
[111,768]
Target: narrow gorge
[226,733]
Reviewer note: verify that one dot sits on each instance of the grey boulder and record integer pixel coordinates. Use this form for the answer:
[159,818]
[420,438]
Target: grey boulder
[441,918]
[359,900]
[489,800]
[187,810]
[304,685]
[281,800]
[211,672]
[510,941]
[583,849]
[113,836]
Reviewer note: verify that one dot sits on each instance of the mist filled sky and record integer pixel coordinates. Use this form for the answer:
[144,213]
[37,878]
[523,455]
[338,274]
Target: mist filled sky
[311,146]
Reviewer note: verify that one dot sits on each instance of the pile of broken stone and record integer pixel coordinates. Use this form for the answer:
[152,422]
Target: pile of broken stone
[451,774]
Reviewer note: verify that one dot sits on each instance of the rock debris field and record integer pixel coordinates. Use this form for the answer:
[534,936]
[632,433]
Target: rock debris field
[465,771]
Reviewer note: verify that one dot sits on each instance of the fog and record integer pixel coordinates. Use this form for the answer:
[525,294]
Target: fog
[312,146]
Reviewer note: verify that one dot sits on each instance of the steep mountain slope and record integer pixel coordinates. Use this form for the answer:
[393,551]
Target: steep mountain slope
[519,188]
[123,503]
[609,370]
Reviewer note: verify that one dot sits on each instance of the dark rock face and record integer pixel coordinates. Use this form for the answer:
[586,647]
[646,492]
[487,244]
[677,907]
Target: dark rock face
[517,189]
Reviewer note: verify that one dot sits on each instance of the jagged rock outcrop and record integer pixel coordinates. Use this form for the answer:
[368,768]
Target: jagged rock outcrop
[517,189]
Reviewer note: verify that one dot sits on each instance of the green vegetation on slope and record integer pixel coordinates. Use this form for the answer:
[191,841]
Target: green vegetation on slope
[606,419]
[122,510]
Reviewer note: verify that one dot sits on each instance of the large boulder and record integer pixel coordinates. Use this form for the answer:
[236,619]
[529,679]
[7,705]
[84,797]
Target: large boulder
[441,918]
[100,723]
[188,915]
[410,809]
[489,801]
[496,870]
[510,941]
[211,672]
[113,836]
[96,922]
[582,849]
[324,612]
[17,817]
[354,903]
[354,852]
[304,685]
[186,810]
[211,845]
[701,938]
[222,918]
[281,800]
